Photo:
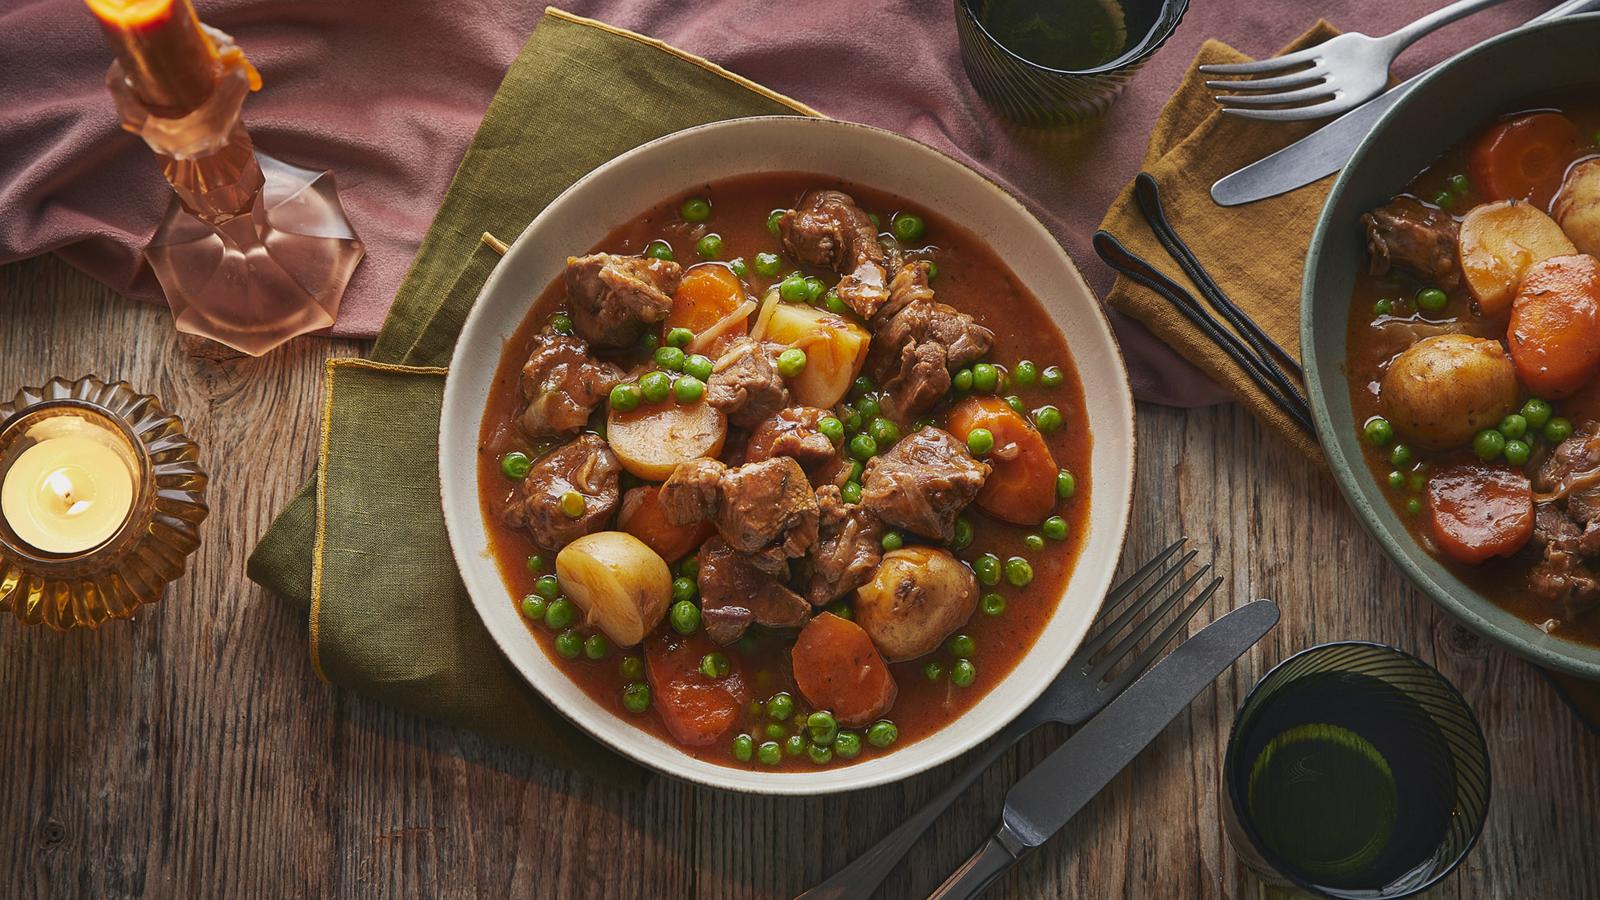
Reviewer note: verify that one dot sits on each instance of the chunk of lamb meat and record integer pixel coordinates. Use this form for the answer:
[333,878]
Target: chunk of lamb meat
[922,483]
[1567,527]
[745,384]
[828,229]
[1405,233]
[918,342]
[795,433]
[848,549]
[613,299]
[756,506]
[561,385]
[586,465]
[737,589]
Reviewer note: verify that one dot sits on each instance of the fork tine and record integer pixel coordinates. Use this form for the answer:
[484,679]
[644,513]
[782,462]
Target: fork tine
[1306,76]
[1123,590]
[1087,652]
[1316,92]
[1149,654]
[1296,114]
[1260,66]
[1126,645]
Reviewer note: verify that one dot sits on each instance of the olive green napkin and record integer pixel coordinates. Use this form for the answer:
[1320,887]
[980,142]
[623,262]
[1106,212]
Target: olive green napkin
[363,547]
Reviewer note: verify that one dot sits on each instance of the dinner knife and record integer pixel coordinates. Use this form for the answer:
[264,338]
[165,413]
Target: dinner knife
[1038,805]
[1326,150]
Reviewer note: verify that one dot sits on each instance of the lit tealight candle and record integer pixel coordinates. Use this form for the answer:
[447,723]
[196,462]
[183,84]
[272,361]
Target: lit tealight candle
[67,494]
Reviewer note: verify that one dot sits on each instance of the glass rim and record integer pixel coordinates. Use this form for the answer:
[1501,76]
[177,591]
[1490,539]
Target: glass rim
[1247,826]
[1149,43]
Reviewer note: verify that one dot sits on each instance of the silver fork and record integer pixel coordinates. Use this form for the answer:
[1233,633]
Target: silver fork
[1339,74]
[1082,689]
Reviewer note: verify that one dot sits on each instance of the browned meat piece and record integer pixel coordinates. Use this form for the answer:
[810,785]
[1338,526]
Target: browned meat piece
[922,483]
[759,505]
[561,384]
[847,552]
[828,229]
[910,285]
[746,385]
[614,298]
[737,589]
[1407,234]
[921,379]
[1563,575]
[918,342]
[794,433]
[586,465]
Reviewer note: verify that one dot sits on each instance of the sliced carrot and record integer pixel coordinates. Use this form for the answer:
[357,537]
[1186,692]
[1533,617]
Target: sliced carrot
[1524,158]
[837,668]
[697,710]
[1554,333]
[643,517]
[708,294]
[1022,487]
[1476,512]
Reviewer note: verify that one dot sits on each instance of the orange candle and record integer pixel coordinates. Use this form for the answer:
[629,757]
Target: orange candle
[169,61]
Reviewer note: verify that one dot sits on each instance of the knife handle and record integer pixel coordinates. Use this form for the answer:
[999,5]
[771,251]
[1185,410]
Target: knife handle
[976,874]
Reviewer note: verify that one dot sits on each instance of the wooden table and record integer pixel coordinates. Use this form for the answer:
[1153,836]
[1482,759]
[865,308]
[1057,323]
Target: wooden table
[193,752]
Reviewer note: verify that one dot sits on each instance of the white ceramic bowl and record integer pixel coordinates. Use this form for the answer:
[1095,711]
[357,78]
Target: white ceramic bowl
[622,188]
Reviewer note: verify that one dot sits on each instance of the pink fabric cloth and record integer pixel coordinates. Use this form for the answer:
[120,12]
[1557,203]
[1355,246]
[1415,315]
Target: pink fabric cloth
[388,93]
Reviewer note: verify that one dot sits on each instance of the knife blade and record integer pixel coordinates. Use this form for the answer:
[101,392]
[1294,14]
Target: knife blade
[1047,797]
[1326,150]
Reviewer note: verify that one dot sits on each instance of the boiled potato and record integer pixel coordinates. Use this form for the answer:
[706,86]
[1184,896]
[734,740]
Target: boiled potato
[1498,242]
[652,439]
[835,347]
[621,585]
[917,598]
[1577,207]
[1443,390]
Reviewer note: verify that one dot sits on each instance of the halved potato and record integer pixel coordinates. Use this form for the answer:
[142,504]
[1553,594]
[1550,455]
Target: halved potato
[1444,389]
[651,440]
[1498,242]
[835,347]
[621,585]
[1577,207]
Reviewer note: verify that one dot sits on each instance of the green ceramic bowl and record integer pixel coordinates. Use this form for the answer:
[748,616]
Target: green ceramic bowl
[1514,71]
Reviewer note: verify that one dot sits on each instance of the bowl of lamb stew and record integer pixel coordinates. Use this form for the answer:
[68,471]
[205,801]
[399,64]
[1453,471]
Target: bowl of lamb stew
[781,478]
[1451,316]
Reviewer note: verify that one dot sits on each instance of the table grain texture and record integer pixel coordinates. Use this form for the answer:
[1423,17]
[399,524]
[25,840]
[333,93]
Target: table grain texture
[192,752]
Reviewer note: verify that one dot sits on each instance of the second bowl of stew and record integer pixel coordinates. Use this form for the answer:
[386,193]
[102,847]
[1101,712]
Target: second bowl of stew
[1451,320]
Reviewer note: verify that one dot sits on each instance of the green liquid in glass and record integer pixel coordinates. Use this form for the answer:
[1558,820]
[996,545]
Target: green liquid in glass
[1059,34]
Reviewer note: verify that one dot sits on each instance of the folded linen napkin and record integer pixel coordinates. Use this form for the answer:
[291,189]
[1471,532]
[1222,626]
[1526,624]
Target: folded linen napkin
[364,547]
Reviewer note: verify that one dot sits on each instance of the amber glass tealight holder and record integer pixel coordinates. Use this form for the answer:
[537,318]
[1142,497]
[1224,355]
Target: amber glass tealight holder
[100,563]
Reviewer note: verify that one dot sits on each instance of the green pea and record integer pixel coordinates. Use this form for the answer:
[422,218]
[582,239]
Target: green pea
[1054,528]
[558,614]
[685,617]
[688,389]
[569,644]
[933,270]
[776,732]
[794,746]
[515,465]
[868,407]
[1432,299]
[1537,412]
[1488,444]
[670,358]
[1382,307]
[832,429]
[1019,571]
[861,386]
[1015,402]
[772,220]
[819,754]
[695,209]
[1048,419]
[744,747]
[659,249]
[1517,452]
[697,367]
[961,645]
[625,397]
[987,569]
[1033,542]
[683,588]
[632,667]
[548,587]
[847,745]
[1052,376]
[1513,426]
[883,431]
[834,304]
[1397,480]
[679,337]
[963,534]
[715,665]
[882,733]
[709,246]
[1460,184]
[1025,373]
[962,380]
[992,604]
[793,289]
[1066,485]
[535,563]
[561,324]
[648,342]
[857,469]
[533,606]
[791,362]
[768,264]
[1557,430]
[814,290]
[932,671]
[769,753]
[852,422]
[1414,506]
[596,646]
[737,266]
[573,504]
[851,492]
[908,227]
[636,697]
[963,673]
[1400,456]
[780,707]
[1444,199]
[822,726]
[863,447]
[655,386]
[985,377]
[980,441]
[1378,431]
